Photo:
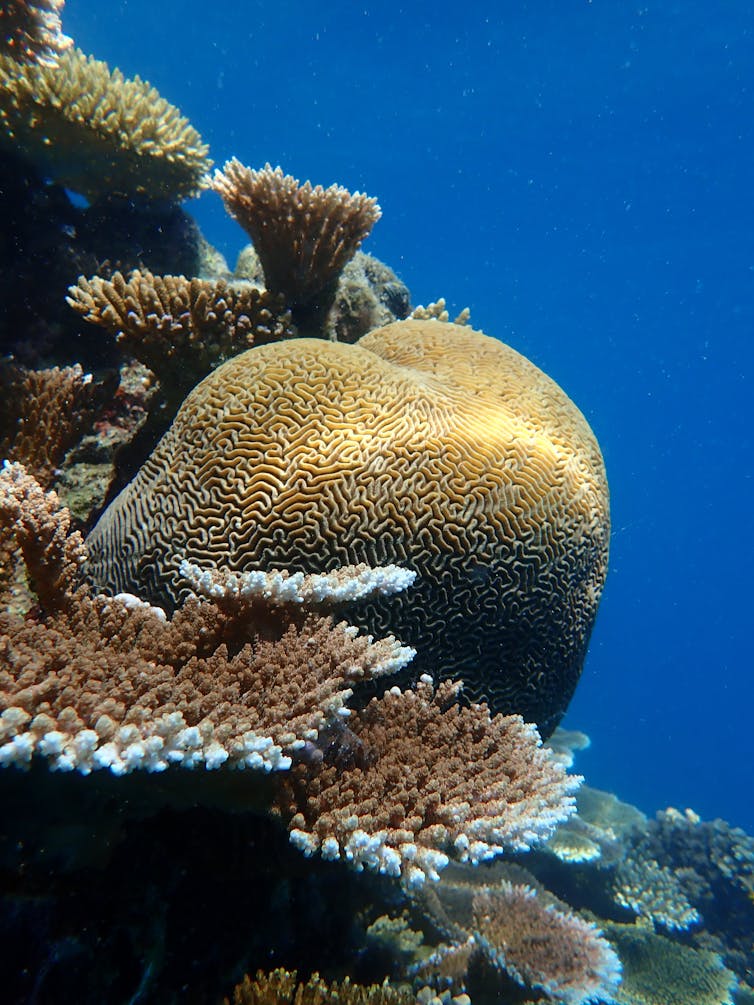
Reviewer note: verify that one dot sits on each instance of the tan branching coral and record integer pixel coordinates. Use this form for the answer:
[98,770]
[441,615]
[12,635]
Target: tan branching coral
[542,947]
[281,987]
[98,133]
[30,31]
[112,683]
[41,530]
[399,798]
[654,891]
[303,234]
[180,328]
[42,414]
[437,311]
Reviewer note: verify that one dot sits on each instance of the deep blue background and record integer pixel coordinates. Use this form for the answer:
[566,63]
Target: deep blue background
[580,175]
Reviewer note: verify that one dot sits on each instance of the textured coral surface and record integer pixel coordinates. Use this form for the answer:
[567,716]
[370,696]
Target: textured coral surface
[425,444]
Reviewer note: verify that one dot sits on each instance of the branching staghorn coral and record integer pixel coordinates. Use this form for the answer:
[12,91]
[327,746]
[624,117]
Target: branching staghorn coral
[253,678]
[303,234]
[42,414]
[30,31]
[98,133]
[180,328]
[281,987]
[110,682]
[395,794]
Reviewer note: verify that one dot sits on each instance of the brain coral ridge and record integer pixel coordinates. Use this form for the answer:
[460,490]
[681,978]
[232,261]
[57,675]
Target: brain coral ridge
[427,445]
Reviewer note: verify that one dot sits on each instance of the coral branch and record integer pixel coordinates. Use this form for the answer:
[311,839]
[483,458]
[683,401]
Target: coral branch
[30,31]
[180,328]
[42,529]
[304,235]
[407,801]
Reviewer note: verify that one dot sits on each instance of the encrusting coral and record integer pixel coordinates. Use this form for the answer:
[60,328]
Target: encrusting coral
[253,676]
[30,31]
[425,444]
[180,328]
[303,234]
[97,132]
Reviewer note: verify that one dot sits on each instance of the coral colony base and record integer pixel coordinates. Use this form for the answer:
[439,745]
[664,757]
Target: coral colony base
[290,580]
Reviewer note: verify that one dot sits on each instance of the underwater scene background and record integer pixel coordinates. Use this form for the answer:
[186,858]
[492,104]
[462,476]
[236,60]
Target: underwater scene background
[579,175]
[573,179]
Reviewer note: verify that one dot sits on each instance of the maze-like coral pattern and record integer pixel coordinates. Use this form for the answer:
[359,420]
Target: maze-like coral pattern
[427,445]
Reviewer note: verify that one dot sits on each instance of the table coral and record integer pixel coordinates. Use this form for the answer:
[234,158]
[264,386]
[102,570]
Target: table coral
[30,30]
[304,234]
[97,132]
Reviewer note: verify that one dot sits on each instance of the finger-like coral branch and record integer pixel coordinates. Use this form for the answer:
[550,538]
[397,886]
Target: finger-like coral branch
[408,800]
[180,328]
[30,31]
[303,234]
[42,530]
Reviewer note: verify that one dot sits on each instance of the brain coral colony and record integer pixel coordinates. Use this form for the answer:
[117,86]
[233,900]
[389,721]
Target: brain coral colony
[290,580]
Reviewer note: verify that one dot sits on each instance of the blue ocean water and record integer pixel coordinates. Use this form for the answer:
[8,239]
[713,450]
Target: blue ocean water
[579,175]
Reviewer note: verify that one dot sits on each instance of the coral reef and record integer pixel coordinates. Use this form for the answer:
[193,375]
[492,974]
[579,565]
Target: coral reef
[252,677]
[304,235]
[98,133]
[425,444]
[31,32]
[657,971]
[400,802]
[282,988]
[180,328]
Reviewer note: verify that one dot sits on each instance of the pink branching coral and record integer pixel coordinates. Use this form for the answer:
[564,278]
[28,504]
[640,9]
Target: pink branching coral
[542,947]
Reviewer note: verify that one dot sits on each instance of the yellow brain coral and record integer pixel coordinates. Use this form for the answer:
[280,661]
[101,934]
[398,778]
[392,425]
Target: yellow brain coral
[425,444]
